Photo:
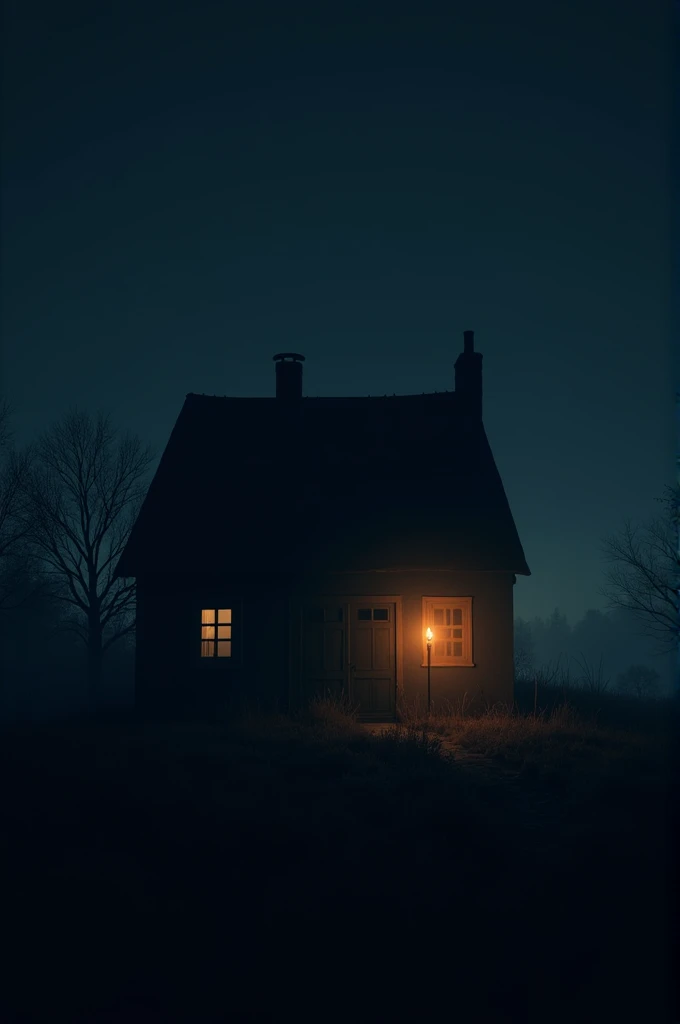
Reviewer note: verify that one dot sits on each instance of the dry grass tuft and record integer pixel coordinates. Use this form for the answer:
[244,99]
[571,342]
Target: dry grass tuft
[334,714]
[555,743]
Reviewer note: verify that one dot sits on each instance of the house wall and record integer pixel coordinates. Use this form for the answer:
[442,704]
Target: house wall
[266,667]
[169,672]
[490,679]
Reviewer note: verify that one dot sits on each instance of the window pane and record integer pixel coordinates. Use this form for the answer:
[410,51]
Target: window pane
[207,649]
[458,632]
[439,649]
[363,614]
[380,614]
[208,615]
[458,616]
[333,614]
[439,616]
[443,634]
[208,632]
[224,649]
[224,632]
[448,648]
[448,616]
[458,650]
[224,615]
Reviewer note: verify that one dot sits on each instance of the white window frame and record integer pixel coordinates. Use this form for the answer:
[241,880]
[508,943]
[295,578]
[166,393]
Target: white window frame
[448,661]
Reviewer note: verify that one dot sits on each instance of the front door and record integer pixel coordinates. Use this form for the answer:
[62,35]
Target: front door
[372,651]
[350,650]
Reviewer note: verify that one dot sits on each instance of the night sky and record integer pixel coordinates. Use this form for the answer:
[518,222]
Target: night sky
[190,188]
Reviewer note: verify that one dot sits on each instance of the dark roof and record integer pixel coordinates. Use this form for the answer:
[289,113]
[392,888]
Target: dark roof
[263,484]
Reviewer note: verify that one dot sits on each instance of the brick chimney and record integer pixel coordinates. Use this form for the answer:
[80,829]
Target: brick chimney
[469,377]
[289,375]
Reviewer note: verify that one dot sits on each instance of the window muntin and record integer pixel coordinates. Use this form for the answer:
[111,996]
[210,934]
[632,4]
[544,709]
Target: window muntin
[320,614]
[216,638]
[450,619]
[375,614]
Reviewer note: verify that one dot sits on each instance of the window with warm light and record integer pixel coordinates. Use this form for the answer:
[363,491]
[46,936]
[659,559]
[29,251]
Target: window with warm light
[216,633]
[450,619]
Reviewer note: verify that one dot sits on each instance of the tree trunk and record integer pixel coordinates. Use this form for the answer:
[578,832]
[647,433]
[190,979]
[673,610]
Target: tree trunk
[94,665]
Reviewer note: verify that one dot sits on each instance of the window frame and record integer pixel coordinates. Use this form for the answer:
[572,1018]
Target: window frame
[222,601]
[427,619]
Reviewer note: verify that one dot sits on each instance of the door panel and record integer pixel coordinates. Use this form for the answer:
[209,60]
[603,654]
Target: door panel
[349,648]
[372,652]
[383,695]
[361,649]
[382,652]
[325,648]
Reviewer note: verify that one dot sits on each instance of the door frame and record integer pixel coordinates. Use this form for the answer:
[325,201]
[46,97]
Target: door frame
[346,599]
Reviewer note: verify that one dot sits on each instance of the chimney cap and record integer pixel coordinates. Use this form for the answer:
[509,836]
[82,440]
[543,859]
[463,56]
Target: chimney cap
[289,355]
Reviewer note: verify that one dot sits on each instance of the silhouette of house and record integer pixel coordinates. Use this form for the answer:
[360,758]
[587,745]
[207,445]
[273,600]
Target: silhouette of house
[293,546]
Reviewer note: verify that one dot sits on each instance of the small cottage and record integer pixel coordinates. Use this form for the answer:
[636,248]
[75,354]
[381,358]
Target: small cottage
[291,546]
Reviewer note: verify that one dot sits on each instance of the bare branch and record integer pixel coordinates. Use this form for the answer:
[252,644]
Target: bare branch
[644,573]
[82,497]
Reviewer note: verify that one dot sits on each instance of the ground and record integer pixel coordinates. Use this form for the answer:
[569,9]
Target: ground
[493,869]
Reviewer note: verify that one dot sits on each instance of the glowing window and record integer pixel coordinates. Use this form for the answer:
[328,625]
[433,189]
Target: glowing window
[216,637]
[450,619]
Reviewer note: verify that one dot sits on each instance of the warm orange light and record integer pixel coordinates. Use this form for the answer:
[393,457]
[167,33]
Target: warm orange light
[428,635]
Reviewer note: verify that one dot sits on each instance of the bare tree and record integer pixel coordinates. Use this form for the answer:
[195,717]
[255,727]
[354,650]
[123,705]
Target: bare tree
[592,678]
[644,573]
[84,494]
[640,680]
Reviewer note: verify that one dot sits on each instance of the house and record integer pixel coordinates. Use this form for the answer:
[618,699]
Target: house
[293,546]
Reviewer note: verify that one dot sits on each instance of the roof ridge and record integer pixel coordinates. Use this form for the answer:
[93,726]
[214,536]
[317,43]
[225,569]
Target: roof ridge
[321,398]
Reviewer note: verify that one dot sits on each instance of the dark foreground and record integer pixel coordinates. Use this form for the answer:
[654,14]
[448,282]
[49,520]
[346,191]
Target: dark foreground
[310,871]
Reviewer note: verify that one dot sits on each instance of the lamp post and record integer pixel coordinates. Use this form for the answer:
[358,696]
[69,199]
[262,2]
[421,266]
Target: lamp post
[428,637]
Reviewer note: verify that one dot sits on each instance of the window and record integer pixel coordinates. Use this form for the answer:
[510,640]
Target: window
[320,614]
[216,633]
[377,614]
[450,619]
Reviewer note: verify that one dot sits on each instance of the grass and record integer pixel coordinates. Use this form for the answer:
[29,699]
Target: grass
[561,739]
[503,866]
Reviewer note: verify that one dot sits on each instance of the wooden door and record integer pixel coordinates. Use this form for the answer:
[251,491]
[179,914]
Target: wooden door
[372,657]
[349,651]
[325,648]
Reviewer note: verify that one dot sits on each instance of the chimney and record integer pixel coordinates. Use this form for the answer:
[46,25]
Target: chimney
[289,375]
[469,377]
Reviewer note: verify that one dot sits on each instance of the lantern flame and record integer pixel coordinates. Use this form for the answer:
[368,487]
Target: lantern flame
[429,634]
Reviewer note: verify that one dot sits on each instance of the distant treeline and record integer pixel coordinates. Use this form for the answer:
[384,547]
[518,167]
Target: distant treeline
[603,644]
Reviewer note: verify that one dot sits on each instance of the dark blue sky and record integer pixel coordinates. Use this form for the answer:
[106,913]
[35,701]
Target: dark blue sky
[192,187]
